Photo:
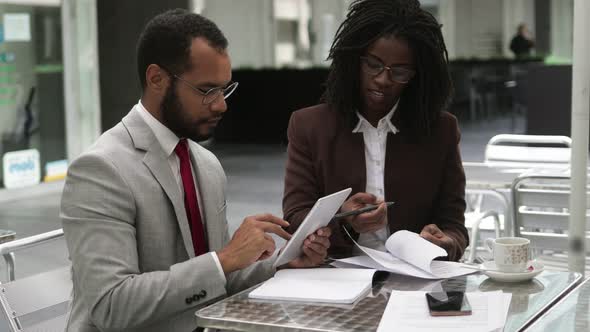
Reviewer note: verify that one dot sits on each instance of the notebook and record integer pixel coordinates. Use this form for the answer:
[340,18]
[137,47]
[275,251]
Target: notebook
[328,285]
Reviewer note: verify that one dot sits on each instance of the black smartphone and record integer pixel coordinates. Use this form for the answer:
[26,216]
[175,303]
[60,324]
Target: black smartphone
[448,304]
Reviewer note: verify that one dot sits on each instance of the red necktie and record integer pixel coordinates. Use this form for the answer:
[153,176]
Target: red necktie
[191,204]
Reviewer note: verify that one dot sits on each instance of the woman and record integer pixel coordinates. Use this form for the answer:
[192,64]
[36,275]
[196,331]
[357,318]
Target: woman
[382,130]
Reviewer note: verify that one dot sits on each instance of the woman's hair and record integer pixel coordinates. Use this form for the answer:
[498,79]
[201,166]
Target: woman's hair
[426,95]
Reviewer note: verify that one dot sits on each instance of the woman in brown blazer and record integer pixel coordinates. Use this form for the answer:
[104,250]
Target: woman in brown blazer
[383,130]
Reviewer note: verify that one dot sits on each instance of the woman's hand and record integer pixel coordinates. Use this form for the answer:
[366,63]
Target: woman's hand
[433,234]
[369,221]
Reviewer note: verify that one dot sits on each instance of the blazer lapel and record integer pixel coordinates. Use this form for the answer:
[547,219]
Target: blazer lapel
[155,160]
[207,187]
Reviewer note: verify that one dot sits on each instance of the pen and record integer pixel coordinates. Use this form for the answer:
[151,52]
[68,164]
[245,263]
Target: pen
[359,211]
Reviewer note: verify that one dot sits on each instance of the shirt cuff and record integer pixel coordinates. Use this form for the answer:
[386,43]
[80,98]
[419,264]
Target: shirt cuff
[219,268]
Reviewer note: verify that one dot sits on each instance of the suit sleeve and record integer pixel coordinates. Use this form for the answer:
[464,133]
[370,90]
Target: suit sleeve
[98,216]
[301,187]
[450,208]
[252,275]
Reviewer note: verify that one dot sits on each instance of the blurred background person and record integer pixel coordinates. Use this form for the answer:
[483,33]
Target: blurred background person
[522,42]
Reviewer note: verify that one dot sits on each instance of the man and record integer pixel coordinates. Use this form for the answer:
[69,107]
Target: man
[143,210]
[522,43]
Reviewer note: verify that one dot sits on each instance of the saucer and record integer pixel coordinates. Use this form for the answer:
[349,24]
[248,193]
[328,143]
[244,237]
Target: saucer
[491,271]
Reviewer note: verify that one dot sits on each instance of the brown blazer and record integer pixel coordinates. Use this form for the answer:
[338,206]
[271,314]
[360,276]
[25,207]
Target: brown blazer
[425,180]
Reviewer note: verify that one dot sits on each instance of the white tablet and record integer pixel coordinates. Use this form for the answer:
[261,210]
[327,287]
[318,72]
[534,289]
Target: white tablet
[319,216]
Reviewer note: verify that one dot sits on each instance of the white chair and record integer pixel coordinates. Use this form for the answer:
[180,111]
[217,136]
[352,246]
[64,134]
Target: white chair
[39,302]
[481,225]
[513,151]
[529,151]
[541,214]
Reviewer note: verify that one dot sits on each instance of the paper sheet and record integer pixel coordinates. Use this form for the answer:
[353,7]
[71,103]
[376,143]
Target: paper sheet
[410,247]
[408,312]
[414,247]
[385,262]
[17,27]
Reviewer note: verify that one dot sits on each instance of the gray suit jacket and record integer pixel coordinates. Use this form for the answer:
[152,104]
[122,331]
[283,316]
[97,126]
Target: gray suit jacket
[133,262]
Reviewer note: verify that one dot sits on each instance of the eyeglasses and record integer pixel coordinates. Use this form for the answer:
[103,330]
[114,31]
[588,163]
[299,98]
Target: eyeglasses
[374,67]
[210,95]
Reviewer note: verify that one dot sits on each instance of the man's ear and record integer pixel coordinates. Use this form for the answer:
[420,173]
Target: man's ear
[156,78]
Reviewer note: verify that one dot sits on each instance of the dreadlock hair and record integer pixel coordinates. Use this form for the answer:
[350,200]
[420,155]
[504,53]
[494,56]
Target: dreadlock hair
[425,96]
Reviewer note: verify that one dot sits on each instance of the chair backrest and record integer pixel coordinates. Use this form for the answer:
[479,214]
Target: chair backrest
[528,151]
[39,302]
[8,249]
[540,207]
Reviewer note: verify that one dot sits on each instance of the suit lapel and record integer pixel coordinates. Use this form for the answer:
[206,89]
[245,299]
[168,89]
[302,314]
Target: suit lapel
[156,161]
[207,187]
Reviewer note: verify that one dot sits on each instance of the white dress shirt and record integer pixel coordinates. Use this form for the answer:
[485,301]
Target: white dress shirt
[375,145]
[168,140]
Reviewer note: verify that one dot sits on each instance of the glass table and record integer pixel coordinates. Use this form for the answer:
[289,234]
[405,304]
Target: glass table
[239,313]
[572,313]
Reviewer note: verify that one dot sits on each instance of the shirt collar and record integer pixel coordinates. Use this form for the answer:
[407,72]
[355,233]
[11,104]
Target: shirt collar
[167,139]
[384,123]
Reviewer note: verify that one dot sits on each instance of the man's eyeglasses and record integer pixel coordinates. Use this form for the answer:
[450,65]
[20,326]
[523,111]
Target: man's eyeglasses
[210,95]
[374,67]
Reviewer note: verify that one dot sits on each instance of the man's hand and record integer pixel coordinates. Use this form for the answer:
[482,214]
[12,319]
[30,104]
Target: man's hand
[433,234]
[315,250]
[368,221]
[251,242]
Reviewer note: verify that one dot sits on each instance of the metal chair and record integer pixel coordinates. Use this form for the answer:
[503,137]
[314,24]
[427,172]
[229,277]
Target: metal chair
[516,151]
[541,214]
[528,151]
[39,302]
[522,152]
[7,249]
[478,226]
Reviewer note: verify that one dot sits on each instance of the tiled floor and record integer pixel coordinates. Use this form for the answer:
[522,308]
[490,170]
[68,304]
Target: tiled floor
[255,185]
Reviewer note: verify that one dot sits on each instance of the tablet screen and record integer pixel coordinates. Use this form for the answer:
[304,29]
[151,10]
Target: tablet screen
[319,216]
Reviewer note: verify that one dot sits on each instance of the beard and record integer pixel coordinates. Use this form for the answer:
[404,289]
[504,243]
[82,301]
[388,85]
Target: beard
[175,117]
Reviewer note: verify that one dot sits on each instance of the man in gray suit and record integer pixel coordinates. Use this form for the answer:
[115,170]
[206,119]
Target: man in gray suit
[143,210]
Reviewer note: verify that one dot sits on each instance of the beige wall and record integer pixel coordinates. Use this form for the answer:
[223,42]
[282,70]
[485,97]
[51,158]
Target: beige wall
[562,17]
[249,28]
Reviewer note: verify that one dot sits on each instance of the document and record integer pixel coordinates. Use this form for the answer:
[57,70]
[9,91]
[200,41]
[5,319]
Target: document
[407,254]
[408,312]
[327,285]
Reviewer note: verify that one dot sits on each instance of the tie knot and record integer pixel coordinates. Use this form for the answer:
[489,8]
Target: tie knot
[181,148]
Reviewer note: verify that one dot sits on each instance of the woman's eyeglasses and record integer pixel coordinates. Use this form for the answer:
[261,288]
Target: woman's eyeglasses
[374,67]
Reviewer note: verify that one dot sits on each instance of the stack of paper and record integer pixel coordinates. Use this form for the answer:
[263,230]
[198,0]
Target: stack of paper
[408,254]
[316,285]
[408,312]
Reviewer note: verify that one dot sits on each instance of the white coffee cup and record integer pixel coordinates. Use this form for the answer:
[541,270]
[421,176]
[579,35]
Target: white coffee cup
[511,254]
